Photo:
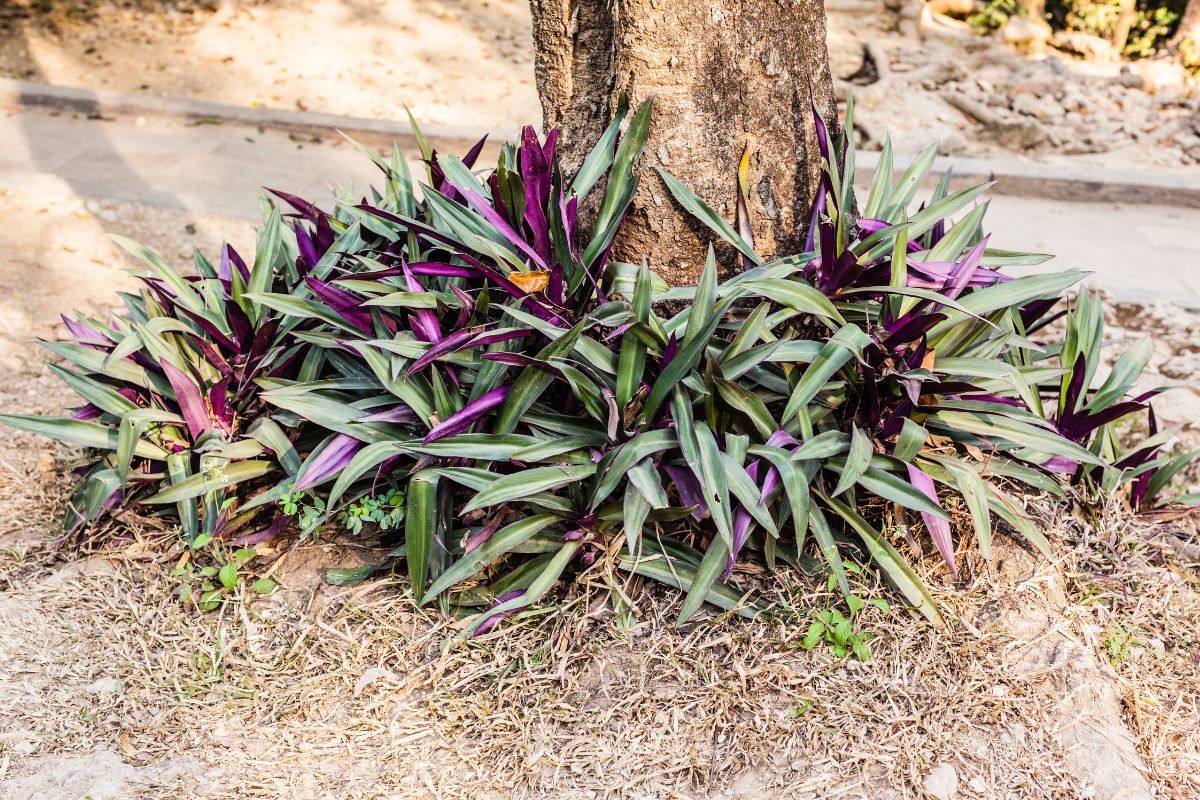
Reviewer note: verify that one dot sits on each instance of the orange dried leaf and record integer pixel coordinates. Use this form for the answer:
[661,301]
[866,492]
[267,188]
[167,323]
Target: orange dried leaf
[531,281]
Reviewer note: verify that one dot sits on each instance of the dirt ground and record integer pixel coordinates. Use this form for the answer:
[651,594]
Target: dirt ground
[453,62]
[470,63]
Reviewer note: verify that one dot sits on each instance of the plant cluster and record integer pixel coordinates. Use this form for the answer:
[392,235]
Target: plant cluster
[1153,24]
[466,367]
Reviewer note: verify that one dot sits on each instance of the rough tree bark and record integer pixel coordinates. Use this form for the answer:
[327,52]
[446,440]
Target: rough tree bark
[723,74]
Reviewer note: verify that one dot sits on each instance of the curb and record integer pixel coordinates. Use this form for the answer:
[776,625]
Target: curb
[1014,177]
[103,103]
[1090,184]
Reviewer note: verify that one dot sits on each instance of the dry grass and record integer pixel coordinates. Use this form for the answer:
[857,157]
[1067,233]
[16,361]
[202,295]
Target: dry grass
[326,692]
[1136,585]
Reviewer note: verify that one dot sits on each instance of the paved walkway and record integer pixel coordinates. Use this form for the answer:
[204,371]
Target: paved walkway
[1138,251]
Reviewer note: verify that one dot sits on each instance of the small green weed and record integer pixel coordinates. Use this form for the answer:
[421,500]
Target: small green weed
[206,585]
[386,511]
[840,632]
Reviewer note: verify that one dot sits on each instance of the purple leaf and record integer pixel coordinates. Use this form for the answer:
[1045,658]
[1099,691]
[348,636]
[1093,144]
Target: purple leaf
[306,209]
[469,159]
[191,400]
[342,302]
[689,491]
[671,349]
[810,243]
[237,261]
[535,176]
[264,535]
[86,334]
[423,320]
[869,225]
[741,527]
[451,343]
[306,249]
[492,621]
[329,462]
[939,529]
[966,269]
[500,224]
[468,415]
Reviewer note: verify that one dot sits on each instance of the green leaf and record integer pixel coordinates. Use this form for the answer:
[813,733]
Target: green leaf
[891,563]
[500,543]
[744,489]
[711,567]
[834,354]
[614,466]
[701,211]
[645,479]
[906,188]
[129,434]
[632,361]
[891,487]
[975,495]
[98,394]
[528,482]
[537,588]
[80,432]
[795,485]
[750,404]
[532,381]
[212,480]
[1124,373]
[263,586]
[710,471]
[228,576]
[635,510]
[185,295]
[421,526]
[861,450]
[795,294]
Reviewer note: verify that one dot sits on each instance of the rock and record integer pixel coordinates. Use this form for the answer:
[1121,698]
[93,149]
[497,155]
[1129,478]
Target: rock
[942,782]
[1020,134]
[1023,30]
[1043,107]
[953,142]
[1092,48]
[107,685]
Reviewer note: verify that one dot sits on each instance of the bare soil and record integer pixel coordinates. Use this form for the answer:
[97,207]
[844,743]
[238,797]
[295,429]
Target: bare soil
[453,62]
[470,63]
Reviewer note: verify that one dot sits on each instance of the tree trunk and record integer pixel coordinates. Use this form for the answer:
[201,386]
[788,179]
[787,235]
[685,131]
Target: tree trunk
[1034,9]
[1189,27]
[723,75]
[1126,15]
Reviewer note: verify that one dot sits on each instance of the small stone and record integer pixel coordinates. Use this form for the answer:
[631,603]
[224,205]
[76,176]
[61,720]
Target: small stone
[106,685]
[1020,30]
[953,142]
[1042,107]
[942,782]
[1092,48]
[978,785]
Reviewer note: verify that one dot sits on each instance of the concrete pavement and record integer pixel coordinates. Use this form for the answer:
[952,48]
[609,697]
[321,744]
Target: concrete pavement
[1138,251]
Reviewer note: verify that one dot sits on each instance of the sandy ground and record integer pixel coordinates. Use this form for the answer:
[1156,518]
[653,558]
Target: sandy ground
[453,62]
[470,63]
